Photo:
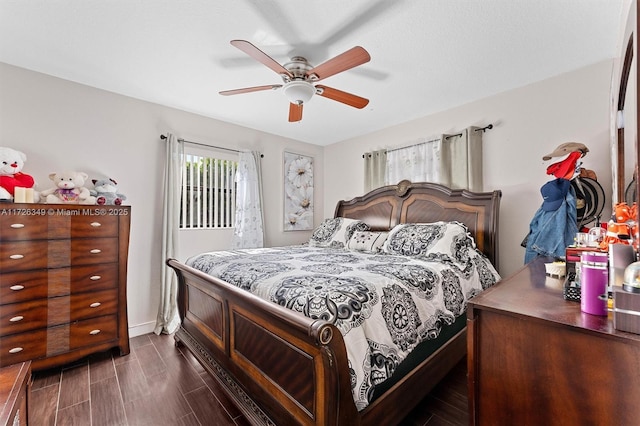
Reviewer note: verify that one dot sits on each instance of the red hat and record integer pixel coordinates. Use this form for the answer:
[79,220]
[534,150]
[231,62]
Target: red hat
[565,168]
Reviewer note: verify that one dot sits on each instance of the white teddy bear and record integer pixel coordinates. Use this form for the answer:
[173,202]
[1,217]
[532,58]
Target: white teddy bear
[69,189]
[11,176]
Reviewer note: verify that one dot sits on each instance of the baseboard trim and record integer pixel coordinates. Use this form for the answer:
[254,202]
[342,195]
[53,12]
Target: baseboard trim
[140,329]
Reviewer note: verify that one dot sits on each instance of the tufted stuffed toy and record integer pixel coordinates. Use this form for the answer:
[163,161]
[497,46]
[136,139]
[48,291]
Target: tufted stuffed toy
[11,176]
[69,189]
[106,192]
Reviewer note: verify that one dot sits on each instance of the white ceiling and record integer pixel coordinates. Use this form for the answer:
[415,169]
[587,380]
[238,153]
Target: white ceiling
[426,56]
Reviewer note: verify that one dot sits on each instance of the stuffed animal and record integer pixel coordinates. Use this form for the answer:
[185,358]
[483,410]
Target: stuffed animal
[106,192]
[11,176]
[623,227]
[69,189]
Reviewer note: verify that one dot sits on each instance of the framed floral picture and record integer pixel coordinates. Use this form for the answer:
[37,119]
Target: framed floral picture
[298,192]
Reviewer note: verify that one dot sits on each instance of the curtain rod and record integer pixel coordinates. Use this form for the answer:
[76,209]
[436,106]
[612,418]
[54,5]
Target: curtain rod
[163,137]
[481,129]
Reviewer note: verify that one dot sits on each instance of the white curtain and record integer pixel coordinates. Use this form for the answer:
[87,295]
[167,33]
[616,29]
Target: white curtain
[248,232]
[375,169]
[417,163]
[168,319]
[451,160]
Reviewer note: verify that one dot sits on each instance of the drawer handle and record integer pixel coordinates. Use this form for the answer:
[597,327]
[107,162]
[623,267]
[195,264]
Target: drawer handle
[15,350]
[17,225]
[95,304]
[16,256]
[95,277]
[16,318]
[95,251]
[94,332]
[16,287]
[96,224]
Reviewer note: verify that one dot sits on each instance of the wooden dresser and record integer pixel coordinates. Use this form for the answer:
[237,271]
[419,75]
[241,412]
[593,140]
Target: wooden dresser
[15,385]
[63,282]
[536,359]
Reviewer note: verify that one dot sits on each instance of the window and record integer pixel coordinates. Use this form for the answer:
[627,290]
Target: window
[208,192]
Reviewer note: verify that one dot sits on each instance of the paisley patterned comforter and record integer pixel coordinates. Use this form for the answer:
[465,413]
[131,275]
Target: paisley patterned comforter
[383,304]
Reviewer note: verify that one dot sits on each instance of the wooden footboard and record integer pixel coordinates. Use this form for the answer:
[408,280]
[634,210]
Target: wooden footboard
[279,366]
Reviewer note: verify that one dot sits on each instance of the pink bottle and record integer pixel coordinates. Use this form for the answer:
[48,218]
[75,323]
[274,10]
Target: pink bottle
[594,277]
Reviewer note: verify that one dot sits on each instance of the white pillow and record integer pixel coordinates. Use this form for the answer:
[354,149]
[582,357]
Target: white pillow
[422,239]
[367,241]
[336,232]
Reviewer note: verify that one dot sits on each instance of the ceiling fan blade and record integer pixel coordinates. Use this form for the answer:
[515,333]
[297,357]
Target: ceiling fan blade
[260,56]
[347,60]
[250,89]
[340,96]
[295,112]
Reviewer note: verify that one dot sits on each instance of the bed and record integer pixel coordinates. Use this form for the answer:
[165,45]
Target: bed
[282,367]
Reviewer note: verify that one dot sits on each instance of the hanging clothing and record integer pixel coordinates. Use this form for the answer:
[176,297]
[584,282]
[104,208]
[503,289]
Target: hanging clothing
[552,231]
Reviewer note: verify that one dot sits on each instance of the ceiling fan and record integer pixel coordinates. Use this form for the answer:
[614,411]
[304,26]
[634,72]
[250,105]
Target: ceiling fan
[299,77]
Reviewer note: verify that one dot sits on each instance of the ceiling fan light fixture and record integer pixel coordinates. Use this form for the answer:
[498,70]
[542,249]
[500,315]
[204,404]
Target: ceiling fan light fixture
[299,92]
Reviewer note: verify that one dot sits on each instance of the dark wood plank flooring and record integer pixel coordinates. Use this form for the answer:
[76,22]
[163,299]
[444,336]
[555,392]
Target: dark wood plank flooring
[160,384]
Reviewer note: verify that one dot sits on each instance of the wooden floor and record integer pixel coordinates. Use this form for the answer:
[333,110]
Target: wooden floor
[159,384]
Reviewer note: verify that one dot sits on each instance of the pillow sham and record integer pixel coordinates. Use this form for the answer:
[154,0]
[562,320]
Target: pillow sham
[367,241]
[336,232]
[423,239]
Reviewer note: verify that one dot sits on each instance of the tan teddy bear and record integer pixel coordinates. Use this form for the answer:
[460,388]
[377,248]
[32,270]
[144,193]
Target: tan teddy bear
[69,189]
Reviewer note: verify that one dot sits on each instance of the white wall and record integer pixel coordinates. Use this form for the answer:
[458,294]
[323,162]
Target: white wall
[529,122]
[62,125]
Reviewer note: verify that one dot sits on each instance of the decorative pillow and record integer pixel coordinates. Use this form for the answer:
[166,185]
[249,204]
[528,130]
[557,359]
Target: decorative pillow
[367,241]
[336,232]
[423,239]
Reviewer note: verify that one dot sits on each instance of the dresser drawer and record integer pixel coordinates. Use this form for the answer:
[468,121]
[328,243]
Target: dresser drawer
[23,346]
[23,255]
[87,251]
[85,222]
[78,334]
[41,283]
[92,332]
[29,255]
[21,286]
[79,306]
[16,227]
[95,225]
[94,304]
[21,317]
[101,276]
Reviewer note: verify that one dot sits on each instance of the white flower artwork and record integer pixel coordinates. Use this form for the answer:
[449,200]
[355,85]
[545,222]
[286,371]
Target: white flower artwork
[298,192]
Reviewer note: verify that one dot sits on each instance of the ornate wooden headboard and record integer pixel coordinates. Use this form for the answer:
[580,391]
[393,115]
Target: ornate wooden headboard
[425,202]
